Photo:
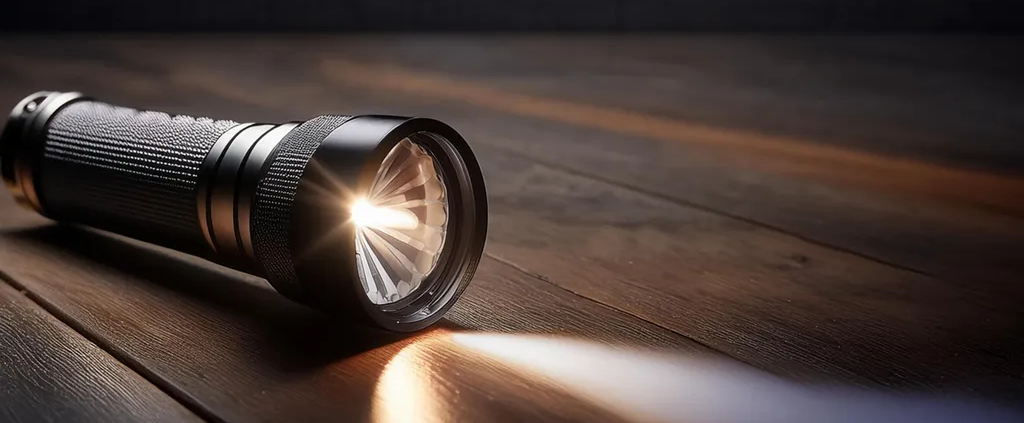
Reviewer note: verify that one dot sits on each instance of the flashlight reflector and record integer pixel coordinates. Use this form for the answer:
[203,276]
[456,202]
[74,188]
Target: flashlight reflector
[401,227]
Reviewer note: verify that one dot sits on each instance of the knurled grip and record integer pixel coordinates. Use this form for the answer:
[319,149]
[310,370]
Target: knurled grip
[192,184]
[127,171]
[275,196]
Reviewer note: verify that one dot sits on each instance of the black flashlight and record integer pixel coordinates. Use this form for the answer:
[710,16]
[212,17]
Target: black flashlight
[380,218]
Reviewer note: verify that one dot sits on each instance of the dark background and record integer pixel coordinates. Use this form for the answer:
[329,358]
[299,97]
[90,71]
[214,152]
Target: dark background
[532,15]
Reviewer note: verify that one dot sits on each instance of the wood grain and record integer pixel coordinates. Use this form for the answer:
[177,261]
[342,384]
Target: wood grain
[765,297]
[229,345]
[895,97]
[869,171]
[50,373]
[760,296]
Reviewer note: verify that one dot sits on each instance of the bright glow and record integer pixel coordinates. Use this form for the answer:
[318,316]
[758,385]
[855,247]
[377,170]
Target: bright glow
[413,387]
[636,385]
[400,224]
[647,386]
[405,392]
[365,214]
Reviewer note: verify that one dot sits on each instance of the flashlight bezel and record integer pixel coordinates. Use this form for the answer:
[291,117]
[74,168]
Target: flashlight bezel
[339,173]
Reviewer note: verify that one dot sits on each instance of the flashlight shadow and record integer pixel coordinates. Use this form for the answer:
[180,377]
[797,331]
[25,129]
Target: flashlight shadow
[289,334]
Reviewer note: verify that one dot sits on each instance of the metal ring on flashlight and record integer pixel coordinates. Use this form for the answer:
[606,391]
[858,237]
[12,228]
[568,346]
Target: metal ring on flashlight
[231,171]
[21,143]
[324,244]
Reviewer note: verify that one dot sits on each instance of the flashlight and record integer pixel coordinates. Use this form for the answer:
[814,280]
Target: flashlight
[377,218]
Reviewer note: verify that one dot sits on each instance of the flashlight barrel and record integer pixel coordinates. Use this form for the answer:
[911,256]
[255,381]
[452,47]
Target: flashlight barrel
[127,171]
[268,199]
[178,181]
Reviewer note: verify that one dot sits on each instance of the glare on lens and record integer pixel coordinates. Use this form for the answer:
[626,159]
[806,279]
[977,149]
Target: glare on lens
[400,225]
[367,215]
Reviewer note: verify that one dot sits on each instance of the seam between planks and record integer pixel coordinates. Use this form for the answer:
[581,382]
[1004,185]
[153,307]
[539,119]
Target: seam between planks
[134,365]
[682,202]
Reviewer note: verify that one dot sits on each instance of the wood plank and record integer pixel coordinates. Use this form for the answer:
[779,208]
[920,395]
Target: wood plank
[241,352]
[854,167]
[908,96]
[302,369]
[912,233]
[48,372]
[759,295]
[763,297]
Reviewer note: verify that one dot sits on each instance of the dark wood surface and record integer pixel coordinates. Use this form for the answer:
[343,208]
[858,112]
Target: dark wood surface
[228,345]
[815,208]
[48,372]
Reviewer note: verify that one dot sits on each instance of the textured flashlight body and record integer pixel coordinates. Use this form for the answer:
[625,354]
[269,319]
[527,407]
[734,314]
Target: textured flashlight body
[126,171]
[156,177]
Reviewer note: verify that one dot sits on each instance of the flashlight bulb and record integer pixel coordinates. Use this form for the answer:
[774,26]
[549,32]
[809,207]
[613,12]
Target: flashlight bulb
[400,225]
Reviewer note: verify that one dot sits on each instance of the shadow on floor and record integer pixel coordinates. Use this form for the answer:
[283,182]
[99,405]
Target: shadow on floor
[297,337]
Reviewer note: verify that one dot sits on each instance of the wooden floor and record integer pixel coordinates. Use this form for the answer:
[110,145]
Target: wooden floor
[759,214]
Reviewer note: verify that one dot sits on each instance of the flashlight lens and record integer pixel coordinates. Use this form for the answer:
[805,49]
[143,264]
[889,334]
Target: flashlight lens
[400,224]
